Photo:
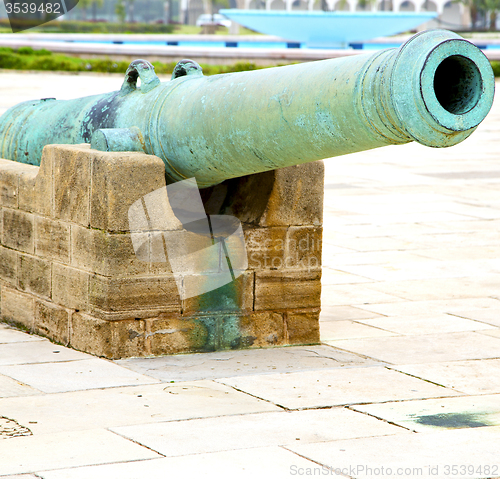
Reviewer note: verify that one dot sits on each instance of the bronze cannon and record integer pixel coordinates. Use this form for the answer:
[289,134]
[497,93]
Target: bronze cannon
[435,89]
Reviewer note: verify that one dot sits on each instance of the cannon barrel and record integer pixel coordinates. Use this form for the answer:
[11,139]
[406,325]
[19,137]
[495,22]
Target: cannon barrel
[435,89]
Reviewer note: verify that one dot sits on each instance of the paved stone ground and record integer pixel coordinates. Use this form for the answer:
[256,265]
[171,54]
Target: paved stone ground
[405,384]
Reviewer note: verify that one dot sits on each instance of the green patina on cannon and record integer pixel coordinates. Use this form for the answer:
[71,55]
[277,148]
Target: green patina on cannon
[435,89]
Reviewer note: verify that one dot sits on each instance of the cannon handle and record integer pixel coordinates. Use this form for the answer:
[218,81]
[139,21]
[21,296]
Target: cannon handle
[139,69]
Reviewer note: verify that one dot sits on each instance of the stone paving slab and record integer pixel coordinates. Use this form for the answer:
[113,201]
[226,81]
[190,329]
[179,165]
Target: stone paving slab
[449,306]
[68,449]
[274,462]
[440,264]
[443,288]
[439,414]
[425,348]
[198,436]
[125,406]
[343,313]
[345,294]
[418,325]
[31,352]
[74,375]
[335,387]
[469,377]
[470,252]
[489,316]
[495,333]
[21,476]
[330,276]
[438,239]
[337,261]
[11,388]
[223,364]
[335,330]
[413,455]
[464,226]
[11,335]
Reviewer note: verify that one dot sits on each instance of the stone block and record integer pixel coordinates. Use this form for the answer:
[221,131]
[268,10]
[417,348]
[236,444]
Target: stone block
[302,327]
[10,172]
[34,275]
[17,308]
[118,180]
[107,254]
[70,287]
[8,265]
[71,182]
[51,321]
[296,197]
[173,334]
[9,184]
[265,247]
[109,339]
[189,252]
[281,290]
[52,239]
[35,186]
[18,230]
[142,297]
[262,329]
[304,246]
[216,331]
[236,296]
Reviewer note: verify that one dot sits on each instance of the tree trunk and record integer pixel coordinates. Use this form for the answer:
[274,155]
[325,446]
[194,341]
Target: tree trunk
[473,16]
[131,11]
[493,21]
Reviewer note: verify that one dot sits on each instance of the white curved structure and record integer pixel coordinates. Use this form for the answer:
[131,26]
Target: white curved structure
[319,29]
[353,5]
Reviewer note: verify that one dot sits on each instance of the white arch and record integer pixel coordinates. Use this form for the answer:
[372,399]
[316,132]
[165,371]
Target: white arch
[396,4]
[378,4]
[437,4]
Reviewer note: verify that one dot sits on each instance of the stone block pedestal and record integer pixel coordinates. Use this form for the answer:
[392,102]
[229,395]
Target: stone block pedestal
[68,270]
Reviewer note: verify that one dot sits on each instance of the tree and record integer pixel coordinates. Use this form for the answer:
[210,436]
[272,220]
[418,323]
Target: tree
[474,6]
[131,11]
[366,4]
[84,4]
[120,11]
[210,5]
[487,8]
[492,7]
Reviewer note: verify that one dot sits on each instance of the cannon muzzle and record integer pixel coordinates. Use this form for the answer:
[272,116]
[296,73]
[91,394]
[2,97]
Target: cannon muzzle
[435,89]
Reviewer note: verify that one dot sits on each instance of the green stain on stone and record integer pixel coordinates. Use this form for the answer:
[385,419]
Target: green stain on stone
[453,420]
